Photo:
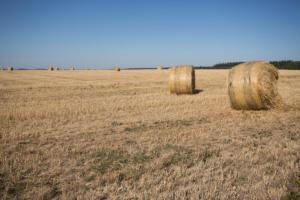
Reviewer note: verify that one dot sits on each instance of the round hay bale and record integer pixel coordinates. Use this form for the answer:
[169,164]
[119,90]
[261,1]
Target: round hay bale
[50,68]
[117,68]
[159,67]
[182,79]
[72,68]
[253,86]
[57,68]
[10,68]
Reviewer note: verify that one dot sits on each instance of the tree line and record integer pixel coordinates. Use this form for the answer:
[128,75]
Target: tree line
[283,64]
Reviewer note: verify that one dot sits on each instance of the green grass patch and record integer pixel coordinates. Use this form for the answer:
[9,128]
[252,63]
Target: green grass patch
[111,160]
[105,159]
[182,155]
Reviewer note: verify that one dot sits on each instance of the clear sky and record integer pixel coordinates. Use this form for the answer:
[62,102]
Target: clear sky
[135,33]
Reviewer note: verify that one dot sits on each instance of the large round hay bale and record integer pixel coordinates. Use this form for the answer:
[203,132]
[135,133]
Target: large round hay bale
[117,68]
[253,86]
[182,79]
[57,68]
[50,68]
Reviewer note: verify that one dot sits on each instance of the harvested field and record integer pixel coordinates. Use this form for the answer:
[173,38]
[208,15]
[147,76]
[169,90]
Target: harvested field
[107,135]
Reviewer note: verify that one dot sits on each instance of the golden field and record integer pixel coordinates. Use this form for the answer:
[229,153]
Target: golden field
[102,134]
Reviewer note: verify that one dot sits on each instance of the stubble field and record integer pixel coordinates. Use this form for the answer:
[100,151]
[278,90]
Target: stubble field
[102,134]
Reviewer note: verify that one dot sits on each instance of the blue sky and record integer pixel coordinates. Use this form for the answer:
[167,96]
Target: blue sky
[136,33]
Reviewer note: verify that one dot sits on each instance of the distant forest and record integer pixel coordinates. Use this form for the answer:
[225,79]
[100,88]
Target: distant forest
[284,64]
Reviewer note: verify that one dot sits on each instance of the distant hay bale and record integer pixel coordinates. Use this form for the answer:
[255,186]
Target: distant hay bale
[56,68]
[182,79]
[50,68]
[117,68]
[10,68]
[72,68]
[253,86]
[159,67]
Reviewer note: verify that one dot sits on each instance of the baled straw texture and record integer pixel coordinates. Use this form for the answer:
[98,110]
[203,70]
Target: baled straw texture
[253,86]
[182,79]
[117,68]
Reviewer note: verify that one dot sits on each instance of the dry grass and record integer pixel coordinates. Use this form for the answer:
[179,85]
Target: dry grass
[106,135]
